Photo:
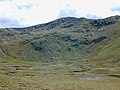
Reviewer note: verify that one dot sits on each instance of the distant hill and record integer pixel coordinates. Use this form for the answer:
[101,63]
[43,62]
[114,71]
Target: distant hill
[64,39]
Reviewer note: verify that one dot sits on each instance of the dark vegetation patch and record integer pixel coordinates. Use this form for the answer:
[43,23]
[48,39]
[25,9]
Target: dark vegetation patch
[68,26]
[99,39]
[38,46]
[104,22]
[115,75]
[68,38]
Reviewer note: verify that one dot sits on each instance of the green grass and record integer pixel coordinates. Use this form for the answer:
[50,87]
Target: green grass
[107,54]
[59,65]
[62,75]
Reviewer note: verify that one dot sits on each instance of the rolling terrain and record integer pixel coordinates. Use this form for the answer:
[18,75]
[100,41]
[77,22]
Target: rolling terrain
[65,54]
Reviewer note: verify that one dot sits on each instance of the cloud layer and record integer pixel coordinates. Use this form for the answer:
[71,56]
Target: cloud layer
[9,22]
[22,13]
[68,11]
[115,9]
[92,16]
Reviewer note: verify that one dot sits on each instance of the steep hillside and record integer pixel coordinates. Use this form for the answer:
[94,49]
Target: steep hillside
[64,39]
[108,53]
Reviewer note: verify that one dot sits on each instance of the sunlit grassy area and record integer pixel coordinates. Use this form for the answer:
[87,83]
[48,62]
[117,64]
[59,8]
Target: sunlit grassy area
[62,75]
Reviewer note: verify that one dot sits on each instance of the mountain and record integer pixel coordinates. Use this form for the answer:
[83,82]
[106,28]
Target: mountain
[65,54]
[67,38]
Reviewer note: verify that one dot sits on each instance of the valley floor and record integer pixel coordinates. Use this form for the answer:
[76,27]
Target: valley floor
[52,76]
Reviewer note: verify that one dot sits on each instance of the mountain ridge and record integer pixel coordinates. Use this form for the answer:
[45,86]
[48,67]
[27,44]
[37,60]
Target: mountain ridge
[64,18]
[62,39]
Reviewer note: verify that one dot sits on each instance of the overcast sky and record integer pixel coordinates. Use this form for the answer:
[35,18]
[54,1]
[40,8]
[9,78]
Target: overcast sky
[21,13]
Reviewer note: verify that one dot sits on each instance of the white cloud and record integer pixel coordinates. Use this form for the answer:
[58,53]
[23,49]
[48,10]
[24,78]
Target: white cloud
[116,9]
[98,7]
[92,16]
[26,6]
[9,22]
[68,11]
[30,12]
[5,0]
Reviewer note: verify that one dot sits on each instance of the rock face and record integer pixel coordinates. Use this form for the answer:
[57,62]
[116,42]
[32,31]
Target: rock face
[63,39]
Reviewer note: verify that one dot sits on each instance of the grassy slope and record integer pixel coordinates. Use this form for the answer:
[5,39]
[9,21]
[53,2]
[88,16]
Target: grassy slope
[110,50]
[50,76]
[63,74]
[106,58]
